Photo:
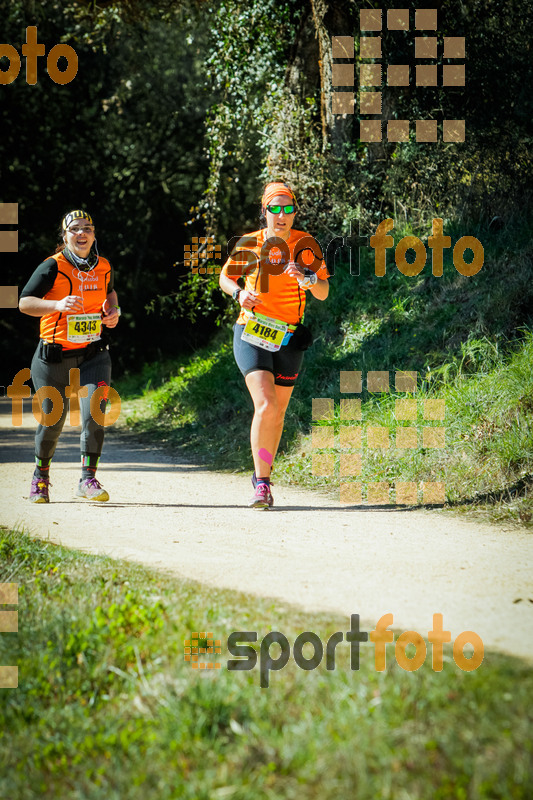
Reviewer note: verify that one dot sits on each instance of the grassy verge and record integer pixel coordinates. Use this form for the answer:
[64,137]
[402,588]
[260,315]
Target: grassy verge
[470,429]
[108,708]
[465,337]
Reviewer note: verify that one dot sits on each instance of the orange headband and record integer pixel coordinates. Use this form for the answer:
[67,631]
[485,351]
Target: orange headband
[273,190]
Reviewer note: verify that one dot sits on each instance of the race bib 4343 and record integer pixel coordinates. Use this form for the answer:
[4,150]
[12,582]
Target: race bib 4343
[83,327]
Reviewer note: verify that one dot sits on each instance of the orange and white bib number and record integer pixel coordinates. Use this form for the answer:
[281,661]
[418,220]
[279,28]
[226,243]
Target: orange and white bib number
[83,328]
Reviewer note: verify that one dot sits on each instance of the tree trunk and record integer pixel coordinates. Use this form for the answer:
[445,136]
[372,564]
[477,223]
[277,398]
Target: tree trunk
[319,9]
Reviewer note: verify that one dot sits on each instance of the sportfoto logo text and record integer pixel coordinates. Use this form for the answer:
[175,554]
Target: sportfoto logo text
[200,655]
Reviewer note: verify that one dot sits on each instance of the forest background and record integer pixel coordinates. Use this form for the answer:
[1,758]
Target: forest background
[180,112]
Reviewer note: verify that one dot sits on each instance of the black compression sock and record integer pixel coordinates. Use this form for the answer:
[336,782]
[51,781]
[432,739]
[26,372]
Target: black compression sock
[42,467]
[89,464]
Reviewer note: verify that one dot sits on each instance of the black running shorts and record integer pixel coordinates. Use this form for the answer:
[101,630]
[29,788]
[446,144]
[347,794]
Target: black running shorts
[284,364]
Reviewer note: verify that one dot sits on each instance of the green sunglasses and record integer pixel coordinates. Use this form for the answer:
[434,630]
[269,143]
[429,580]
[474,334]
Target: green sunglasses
[277,209]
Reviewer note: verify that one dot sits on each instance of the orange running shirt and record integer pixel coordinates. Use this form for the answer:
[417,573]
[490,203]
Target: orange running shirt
[262,262]
[92,286]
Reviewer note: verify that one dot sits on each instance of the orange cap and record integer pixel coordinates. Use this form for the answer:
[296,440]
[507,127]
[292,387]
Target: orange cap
[273,190]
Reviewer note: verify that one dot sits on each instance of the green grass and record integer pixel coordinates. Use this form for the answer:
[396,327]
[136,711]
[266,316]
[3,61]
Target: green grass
[467,339]
[487,460]
[107,709]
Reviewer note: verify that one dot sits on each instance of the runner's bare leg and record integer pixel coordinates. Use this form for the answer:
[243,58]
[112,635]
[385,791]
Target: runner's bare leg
[284,395]
[270,404]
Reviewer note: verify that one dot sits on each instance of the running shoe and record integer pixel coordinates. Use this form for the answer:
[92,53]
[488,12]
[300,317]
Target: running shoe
[262,497]
[90,489]
[39,490]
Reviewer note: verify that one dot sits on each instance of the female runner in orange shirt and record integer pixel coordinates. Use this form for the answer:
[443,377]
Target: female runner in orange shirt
[268,339]
[73,293]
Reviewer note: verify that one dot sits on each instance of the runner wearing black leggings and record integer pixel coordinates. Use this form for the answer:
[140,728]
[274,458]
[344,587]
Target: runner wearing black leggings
[73,293]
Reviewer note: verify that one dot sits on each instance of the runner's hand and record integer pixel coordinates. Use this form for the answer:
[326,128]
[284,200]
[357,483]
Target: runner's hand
[248,300]
[110,314]
[305,277]
[70,304]
[294,270]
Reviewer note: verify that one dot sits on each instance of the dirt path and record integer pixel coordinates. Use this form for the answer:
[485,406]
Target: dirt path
[308,550]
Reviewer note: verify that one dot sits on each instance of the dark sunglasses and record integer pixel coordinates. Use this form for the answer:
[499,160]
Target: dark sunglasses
[277,209]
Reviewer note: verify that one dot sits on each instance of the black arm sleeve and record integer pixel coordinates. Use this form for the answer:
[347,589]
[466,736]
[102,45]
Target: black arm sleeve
[111,284]
[42,279]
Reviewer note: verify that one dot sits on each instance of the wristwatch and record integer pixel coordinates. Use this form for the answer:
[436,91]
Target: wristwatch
[236,294]
[309,279]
